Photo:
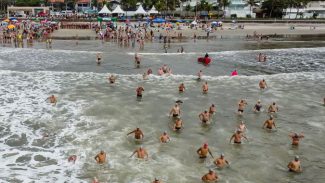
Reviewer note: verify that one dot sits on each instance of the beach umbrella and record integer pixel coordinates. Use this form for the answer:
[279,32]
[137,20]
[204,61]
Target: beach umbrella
[159,20]
[13,19]
[4,23]
[11,26]
[7,20]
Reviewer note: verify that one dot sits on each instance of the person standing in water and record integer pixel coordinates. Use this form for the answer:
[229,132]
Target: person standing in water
[175,111]
[181,88]
[241,106]
[205,88]
[273,108]
[203,151]
[138,134]
[199,75]
[294,166]
[221,161]
[112,79]
[139,91]
[52,99]
[101,157]
[141,153]
[242,127]
[237,137]
[204,117]
[156,181]
[137,59]
[296,138]
[178,125]
[212,110]
[164,138]
[99,58]
[262,84]
[269,124]
[182,49]
[210,177]
[258,106]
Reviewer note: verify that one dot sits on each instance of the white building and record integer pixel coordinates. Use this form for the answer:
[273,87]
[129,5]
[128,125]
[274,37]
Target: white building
[238,7]
[307,12]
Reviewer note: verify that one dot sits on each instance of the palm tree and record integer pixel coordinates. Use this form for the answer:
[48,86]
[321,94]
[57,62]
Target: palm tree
[251,3]
[224,4]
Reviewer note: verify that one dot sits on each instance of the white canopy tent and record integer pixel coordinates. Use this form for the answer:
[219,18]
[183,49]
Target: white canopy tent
[118,10]
[105,10]
[153,10]
[140,11]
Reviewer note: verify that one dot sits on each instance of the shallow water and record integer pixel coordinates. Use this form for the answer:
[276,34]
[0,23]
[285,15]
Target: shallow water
[93,115]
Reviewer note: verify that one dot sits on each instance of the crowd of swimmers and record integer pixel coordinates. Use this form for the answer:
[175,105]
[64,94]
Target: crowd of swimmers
[205,117]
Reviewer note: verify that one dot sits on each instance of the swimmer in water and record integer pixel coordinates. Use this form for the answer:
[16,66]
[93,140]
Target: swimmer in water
[199,75]
[178,125]
[99,58]
[95,180]
[241,106]
[242,127]
[101,157]
[164,68]
[137,134]
[273,108]
[72,159]
[139,91]
[210,177]
[175,111]
[181,88]
[182,49]
[212,110]
[145,76]
[111,79]
[294,166]
[203,151]
[296,138]
[221,161]
[237,137]
[269,124]
[137,59]
[204,117]
[52,99]
[141,153]
[205,88]
[262,84]
[258,106]
[164,138]
[160,72]
[156,181]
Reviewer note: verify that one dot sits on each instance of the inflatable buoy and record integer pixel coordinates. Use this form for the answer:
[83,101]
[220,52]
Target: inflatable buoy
[204,60]
[234,73]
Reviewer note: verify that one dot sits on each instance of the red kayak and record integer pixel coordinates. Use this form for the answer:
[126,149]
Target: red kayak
[204,60]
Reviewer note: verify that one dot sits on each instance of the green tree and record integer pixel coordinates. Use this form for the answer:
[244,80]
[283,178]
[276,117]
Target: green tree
[160,5]
[251,3]
[274,8]
[224,4]
[188,8]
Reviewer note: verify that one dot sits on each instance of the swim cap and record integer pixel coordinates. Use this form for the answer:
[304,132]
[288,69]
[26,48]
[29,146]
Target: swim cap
[141,147]
[296,157]
[205,145]
[222,154]
[210,170]
[165,132]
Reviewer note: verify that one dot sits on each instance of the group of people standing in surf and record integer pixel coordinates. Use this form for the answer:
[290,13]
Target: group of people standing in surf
[205,117]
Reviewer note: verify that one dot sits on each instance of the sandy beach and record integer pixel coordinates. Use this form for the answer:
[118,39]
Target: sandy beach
[228,31]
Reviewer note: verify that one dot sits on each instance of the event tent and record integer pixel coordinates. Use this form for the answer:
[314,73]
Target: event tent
[153,10]
[118,10]
[140,11]
[105,10]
